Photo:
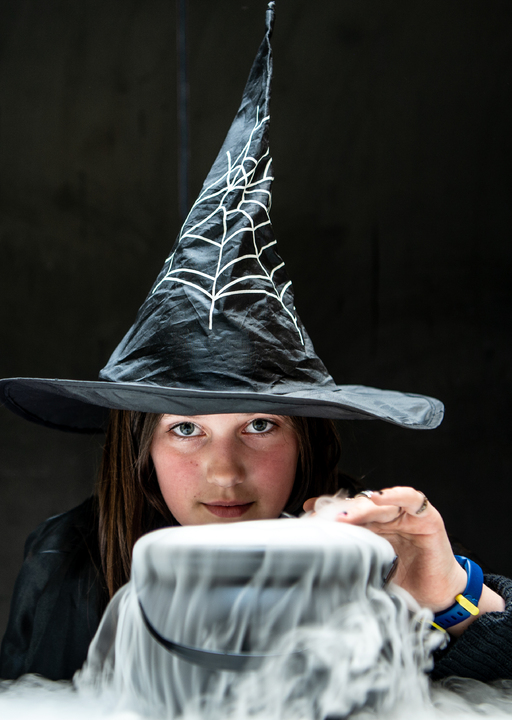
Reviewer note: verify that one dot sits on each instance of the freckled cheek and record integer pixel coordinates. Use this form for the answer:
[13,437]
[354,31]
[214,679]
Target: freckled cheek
[178,476]
[278,471]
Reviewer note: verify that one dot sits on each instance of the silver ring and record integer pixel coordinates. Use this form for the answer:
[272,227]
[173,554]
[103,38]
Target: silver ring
[364,493]
[423,505]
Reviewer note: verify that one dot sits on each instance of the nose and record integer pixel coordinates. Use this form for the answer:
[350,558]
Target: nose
[225,464]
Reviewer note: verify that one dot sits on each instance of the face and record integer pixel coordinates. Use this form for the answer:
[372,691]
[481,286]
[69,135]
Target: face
[225,468]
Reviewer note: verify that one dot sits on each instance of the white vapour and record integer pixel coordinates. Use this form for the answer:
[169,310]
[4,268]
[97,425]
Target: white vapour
[307,593]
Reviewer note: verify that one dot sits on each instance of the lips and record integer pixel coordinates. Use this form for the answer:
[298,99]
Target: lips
[228,509]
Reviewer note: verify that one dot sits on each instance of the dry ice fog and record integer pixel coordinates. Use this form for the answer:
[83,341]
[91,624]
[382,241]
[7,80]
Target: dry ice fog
[288,619]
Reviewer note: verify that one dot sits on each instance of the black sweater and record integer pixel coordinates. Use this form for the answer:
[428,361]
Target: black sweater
[60,596]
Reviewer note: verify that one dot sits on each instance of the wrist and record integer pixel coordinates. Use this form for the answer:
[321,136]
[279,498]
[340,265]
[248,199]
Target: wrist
[466,602]
[451,586]
[490,601]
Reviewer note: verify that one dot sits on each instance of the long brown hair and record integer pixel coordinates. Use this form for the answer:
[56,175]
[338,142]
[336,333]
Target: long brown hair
[129,499]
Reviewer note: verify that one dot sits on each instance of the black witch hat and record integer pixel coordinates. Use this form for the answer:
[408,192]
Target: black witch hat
[218,332]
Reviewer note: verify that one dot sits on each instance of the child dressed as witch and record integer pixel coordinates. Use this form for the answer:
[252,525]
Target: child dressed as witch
[218,410]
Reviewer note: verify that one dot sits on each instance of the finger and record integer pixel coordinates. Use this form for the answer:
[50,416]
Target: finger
[361,510]
[309,504]
[412,502]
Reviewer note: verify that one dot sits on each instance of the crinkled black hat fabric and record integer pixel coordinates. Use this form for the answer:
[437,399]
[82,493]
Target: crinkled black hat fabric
[218,332]
[221,313]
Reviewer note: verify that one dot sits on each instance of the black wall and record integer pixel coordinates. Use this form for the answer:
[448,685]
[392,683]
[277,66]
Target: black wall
[391,137]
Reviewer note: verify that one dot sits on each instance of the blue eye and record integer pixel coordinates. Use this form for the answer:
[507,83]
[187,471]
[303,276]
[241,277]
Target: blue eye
[186,429]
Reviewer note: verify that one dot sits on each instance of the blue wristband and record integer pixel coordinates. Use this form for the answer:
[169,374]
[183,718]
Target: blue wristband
[466,604]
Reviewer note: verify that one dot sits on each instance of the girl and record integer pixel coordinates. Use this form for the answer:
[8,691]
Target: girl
[168,469]
[221,411]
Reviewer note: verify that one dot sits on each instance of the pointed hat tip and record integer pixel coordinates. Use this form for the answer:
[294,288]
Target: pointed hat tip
[269,17]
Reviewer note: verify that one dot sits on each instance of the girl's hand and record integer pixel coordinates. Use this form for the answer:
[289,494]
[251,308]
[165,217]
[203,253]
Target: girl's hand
[427,568]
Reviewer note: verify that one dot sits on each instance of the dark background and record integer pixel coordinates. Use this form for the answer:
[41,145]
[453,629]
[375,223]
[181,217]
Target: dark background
[391,136]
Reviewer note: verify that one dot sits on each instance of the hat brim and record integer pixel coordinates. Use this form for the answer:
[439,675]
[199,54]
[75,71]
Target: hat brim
[82,406]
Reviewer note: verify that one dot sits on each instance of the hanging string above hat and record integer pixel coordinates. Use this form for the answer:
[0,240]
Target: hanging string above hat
[183,121]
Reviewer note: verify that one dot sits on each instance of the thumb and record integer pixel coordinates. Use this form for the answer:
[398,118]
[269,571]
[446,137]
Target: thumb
[309,504]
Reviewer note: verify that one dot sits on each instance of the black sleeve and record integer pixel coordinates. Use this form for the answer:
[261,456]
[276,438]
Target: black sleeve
[58,599]
[484,650]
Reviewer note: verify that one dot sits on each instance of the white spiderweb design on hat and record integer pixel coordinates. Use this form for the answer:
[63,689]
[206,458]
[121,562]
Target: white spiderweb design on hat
[251,178]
